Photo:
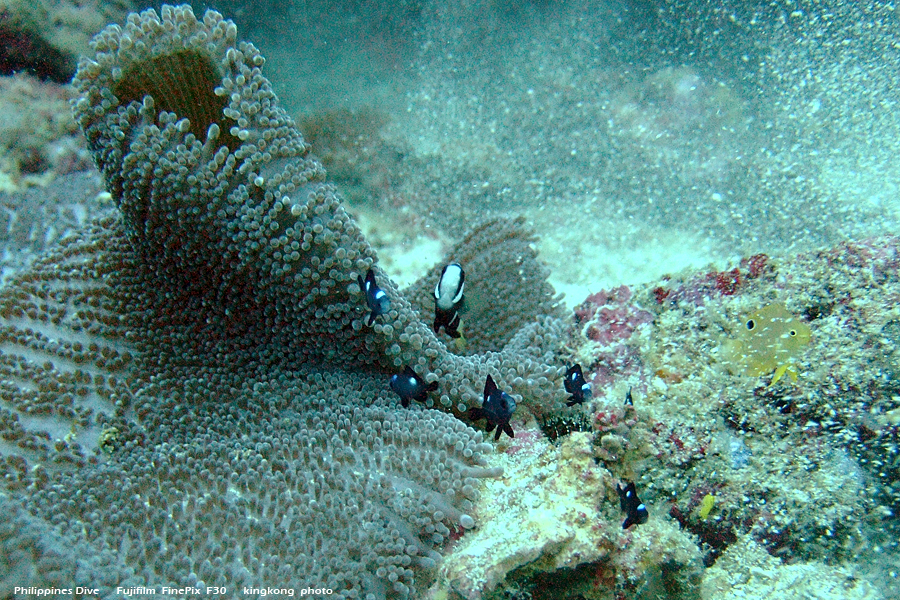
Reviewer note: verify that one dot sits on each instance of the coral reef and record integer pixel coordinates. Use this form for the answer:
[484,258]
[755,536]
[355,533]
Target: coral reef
[39,44]
[38,136]
[748,571]
[554,517]
[44,37]
[608,319]
[795,479]
[804,468]
[189,392]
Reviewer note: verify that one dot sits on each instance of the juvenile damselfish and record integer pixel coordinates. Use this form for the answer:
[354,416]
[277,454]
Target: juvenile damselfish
[377,301]
[576,385]
[448,299]
[497,408]
[635,511]
[409,386]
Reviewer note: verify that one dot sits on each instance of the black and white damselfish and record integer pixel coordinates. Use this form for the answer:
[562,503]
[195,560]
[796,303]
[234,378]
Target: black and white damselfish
[377,301]
[409,386]
[497,408]
[448,299]
[635,511]
[576,385]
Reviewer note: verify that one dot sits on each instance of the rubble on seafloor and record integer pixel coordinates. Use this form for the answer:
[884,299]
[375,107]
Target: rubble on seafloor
[39,139]
[747,571]
[555,510]
[40,42]
[798,479]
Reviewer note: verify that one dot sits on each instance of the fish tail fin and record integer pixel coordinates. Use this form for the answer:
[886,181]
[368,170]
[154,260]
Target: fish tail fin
[781,371]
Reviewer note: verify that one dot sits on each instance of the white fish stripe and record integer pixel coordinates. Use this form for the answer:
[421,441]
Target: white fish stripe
[449,289]
[459,294]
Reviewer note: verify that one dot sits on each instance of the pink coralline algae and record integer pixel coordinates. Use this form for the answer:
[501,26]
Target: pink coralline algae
[701,287]
[607,317]
[727,282]
[756,265]
[611,365]
[610,318]
[882,256]
[613,427]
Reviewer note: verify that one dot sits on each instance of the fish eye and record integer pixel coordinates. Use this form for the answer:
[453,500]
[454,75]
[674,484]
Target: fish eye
[751,324]
[793,332]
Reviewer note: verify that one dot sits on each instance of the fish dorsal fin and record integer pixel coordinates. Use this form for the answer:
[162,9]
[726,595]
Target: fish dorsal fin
[489,387]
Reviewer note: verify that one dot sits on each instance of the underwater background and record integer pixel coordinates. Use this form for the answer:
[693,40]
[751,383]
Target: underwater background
[714,188]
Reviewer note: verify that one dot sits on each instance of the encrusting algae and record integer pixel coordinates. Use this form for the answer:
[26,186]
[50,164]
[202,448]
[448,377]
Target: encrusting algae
[768,340]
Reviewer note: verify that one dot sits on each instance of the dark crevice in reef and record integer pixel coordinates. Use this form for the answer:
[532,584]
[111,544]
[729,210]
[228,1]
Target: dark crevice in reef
[22,50]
